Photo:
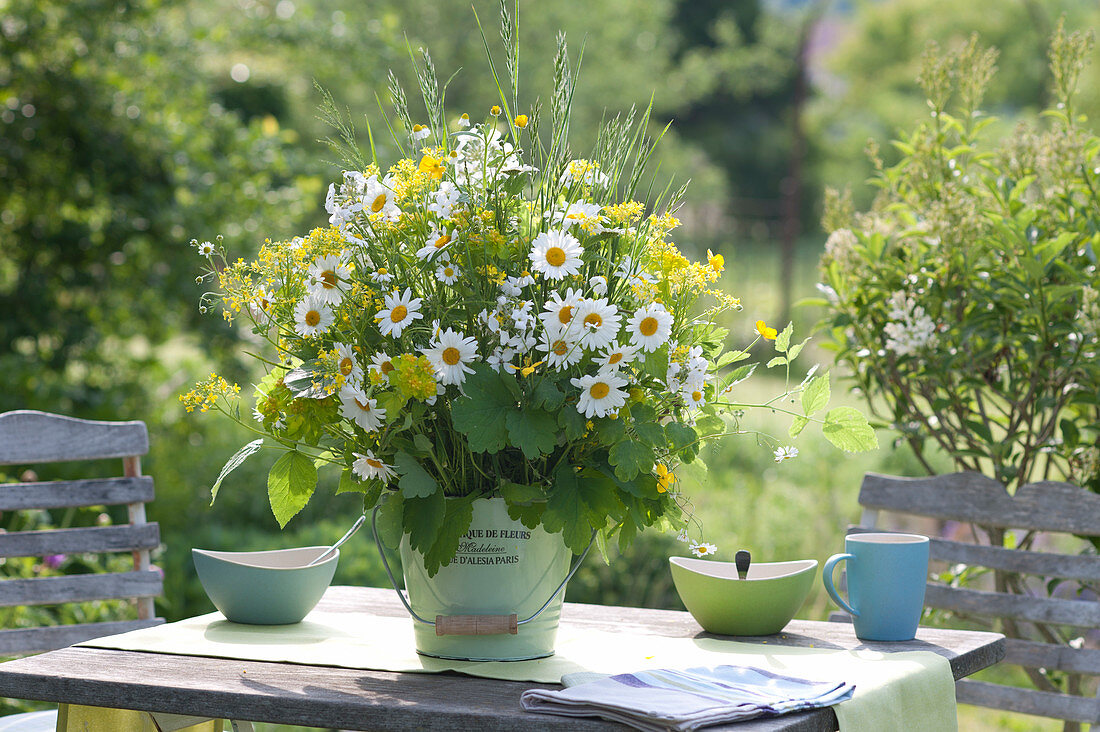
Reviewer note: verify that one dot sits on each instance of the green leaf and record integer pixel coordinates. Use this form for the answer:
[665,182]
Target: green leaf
[709,425]
[651,433]
[548,396]
[233,463]
[423,444]
[530,516]
[520,493]
[609,431]
[738,375]
[391,520]
[730,357]
[777,361]
[392,402]
[533,431]
[680,436]
[642,412]
[457,517]
[816,394]
[423,517]
[565,511]
[290,484]
[629,458]
[797,425]
[480,415]
[846,428]
[783,340]
[796,349]
[656,363]
[572,423]
[415,482]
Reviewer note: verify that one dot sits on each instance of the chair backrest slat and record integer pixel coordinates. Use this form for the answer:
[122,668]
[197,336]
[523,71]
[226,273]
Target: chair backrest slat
[75,493]
[32,640]
[1078,613]
[28,436]
[97,539]
[1052,657]
[79,588]
[978,499]
[1027,701]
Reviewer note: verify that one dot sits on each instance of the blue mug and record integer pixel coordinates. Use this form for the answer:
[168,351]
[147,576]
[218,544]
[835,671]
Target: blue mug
[886,580]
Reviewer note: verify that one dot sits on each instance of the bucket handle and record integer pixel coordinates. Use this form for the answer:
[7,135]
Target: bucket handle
[472,624]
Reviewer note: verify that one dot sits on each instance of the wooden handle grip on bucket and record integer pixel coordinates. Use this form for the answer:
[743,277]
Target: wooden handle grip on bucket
[476,624]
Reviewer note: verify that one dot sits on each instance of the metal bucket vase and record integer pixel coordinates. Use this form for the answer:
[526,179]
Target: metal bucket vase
[498,600]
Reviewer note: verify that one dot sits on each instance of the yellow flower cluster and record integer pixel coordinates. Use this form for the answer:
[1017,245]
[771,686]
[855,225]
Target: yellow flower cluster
[413,376]
[626,213]
[579,169]
[410,180]
[207,392]
[492,274]
[659,226]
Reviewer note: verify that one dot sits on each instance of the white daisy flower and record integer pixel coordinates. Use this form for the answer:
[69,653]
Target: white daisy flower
[786,453]
[312,316]
[616,356]
[703,549]
[522,342]
[650,327]
[436,244]
[500,357]
[378,198]
[449,354]
[325,275]
[447,273]
[206,249]
[382,364]
[420,132]
[524,280]
[556,254]
[598,321]
[381,275]
[361,409]
[444,200]
[694,395]
[559,311]
[561,350]
[464,120]
[601,394]
[368,466]
[398,313]
[683,536]
[587,215]
[598,285]
[348,364]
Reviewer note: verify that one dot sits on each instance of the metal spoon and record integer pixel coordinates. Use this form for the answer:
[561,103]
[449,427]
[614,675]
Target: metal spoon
[345,537]
[742,560]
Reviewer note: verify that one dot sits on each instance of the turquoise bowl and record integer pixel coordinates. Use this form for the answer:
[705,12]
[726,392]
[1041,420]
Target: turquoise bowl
[265,588]
[761,604]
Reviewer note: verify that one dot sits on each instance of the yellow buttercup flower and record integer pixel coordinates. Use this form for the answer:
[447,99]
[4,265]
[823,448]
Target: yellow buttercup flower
[432,166]
[495,111]
[716,261]
[521,121]
[768,333]
[664,478]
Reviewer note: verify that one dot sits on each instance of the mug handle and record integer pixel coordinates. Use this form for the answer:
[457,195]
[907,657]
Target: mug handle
[827,577]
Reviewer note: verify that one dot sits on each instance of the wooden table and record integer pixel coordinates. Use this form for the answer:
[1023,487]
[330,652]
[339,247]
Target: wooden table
[321,696]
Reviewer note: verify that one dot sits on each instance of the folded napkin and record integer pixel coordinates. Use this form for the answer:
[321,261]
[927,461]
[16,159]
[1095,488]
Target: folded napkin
[668,699]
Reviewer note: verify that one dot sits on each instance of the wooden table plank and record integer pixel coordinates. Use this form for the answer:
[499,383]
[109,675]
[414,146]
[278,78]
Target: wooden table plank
[354,699]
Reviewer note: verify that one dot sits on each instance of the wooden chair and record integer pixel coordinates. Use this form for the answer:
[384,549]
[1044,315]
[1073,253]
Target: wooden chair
[33,438]
[1037,626]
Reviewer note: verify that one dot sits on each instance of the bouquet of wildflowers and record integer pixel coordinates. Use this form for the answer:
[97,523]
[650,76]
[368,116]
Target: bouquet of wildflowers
[489,316]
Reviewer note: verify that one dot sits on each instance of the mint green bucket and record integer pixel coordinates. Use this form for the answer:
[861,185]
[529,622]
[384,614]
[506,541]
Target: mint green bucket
[498,600]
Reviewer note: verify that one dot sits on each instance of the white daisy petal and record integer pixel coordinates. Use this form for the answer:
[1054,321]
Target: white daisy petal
[398,313]
[650,327]
[450,353]
[601,394]
[556,254]
[367,466]
[361,409]
[312,316]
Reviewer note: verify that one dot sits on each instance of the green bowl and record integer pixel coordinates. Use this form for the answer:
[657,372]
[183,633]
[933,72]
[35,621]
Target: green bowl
[761,604]
[265,588]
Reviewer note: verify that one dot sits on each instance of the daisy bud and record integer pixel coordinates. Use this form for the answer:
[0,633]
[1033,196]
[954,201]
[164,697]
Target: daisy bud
[495,111]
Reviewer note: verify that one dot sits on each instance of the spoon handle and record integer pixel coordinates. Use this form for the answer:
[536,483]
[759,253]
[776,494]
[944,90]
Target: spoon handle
[742,560]
[345,537]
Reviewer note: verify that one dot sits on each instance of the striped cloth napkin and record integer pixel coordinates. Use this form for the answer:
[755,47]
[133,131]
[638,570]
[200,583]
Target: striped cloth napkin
[667,699]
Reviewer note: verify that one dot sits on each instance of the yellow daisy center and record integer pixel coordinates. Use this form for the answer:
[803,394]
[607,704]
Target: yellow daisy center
[555,256]
[361,405]
[442,241]
[560,348]
[451,356]
[599,390]
[386,367]
[565,315]
[448,272]
[328,279]
[346,365]
[379,202]
[383,271]
[648,326]
[696,396]
[376,464]
[312,318]
[615,358]
[593,319]
[399,313]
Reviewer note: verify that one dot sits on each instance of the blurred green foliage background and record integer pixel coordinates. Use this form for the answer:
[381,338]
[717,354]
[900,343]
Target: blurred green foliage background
[128,127]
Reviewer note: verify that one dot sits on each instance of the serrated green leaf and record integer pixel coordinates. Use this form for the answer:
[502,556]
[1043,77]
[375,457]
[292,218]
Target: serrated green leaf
[680,436]
[521,493]
[548,396]
[642,412]
[609,431]
[530,516]
[415,482]
[533,431]
[572,423]
[783,340]
[651,433]
[391,520]
[796,349]
[481,414]
[423,444]
[816,394]
[656,363]
[290,485]
[777,361]
[797,425]
[729,357]
[848,429]
[233,463]
[738,375]
[629,458]
[709,425]
[565,511]
[423,518]
[392,402]
[459,513]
